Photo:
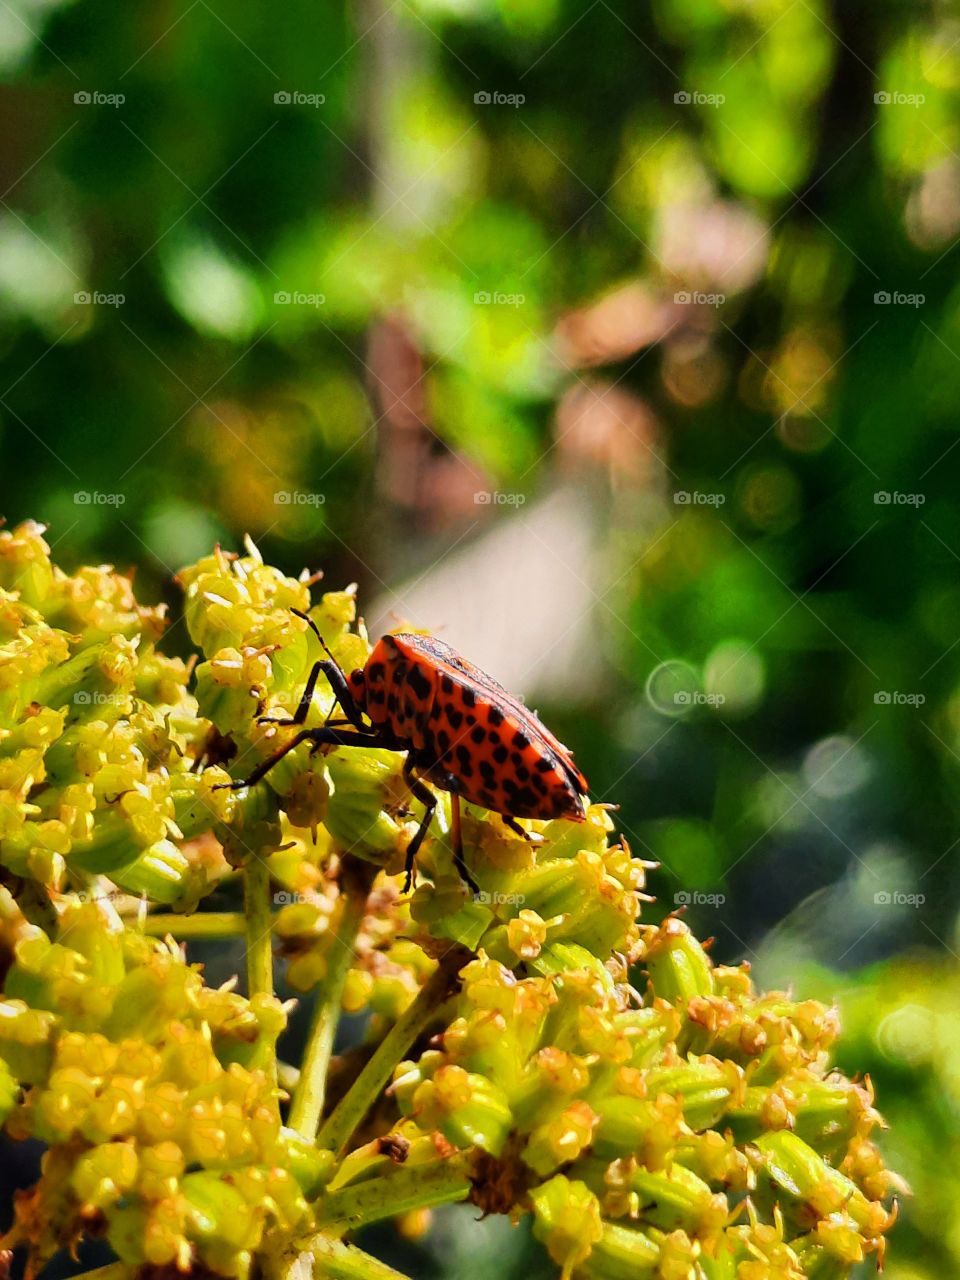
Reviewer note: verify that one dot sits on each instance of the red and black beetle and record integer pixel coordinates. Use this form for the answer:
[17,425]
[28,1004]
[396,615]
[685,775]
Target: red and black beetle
[459,728]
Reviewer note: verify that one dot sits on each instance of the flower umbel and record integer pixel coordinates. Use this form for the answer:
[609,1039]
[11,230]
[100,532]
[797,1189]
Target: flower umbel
[531,1047]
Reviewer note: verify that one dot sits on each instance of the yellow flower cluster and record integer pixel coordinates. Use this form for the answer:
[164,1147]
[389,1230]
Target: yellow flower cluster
[98,733]
[154,1096]
[694,1133]
[693,1130]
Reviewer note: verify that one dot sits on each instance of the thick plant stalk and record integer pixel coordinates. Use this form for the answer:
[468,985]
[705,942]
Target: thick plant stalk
[308,1098]
[205,925]
[342,1122]
[256,901]
[409,1188]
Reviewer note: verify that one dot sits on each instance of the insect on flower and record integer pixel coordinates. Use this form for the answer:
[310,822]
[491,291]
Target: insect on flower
[460,730]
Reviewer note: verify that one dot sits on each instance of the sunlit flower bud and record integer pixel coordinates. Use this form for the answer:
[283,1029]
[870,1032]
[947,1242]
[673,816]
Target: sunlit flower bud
[567,1220]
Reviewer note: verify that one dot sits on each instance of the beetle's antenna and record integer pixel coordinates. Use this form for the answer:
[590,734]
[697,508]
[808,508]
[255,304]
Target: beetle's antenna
[316,631]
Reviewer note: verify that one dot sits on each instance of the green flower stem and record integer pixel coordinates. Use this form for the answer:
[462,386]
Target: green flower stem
[339,1261]
[342,1122]
[256,903]
[400,1191]
[203,924]
[307,1105]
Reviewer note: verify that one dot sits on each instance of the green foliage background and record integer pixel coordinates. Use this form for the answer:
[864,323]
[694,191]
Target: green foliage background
[820,799]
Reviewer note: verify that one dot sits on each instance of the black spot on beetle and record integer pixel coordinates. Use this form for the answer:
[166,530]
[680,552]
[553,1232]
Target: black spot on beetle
[496,715]
[443,739]
[469,697]
[544,765]
[520,739]
[446,684]
[500,754]
[375,672]
[455,718]
[419,683]
[478,734]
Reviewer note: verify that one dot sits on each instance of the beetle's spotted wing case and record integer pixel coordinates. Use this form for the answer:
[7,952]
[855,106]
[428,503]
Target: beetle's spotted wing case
[500,754]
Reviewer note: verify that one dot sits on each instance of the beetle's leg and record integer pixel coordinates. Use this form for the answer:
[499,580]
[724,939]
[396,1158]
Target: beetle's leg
[532,837]
[429,801]
[338,683]
[321,737]
[306,698]
[457,834]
